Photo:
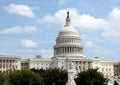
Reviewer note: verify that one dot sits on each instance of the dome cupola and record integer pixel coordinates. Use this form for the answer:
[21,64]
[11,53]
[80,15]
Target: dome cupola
[68,30]
[68,41]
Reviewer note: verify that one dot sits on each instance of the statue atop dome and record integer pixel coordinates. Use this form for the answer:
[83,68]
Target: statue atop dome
[68,20]
[67,14]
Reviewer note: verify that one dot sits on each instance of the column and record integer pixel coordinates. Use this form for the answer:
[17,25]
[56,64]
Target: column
[70,50]
[8,64]
[77,65]
[77,50]
[14,65]
[55,51]
[5,65]
[65,49]
[74,49]
[62,50]
[2,66]
[58,50]
[81,65]
[86,65]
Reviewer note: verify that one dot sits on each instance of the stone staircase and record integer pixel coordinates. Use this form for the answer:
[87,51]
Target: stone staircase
[114,78]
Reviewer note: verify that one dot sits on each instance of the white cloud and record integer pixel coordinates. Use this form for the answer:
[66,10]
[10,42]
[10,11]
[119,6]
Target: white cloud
[111,34]
[115,14]
[18,29]
[46,53]
[114,19]
[22,10]
[114,25]
[28,43]
[97,50]
[107,26]
[78,20]
[89,44]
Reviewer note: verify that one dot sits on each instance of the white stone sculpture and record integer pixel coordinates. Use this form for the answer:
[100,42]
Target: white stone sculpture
[71,75]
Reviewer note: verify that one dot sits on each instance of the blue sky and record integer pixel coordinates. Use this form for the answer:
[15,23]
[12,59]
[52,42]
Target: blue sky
[30,27]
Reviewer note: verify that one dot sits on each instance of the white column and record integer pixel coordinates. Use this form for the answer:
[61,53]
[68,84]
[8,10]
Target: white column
[69,49]
[2,66]
[86,65]
[61,49]
[65,49]
[8,64]
[58,50]
[77,65]
[73,49]
[5,65]
[81,65]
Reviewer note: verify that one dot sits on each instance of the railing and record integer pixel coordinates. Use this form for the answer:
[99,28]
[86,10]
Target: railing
[115,78]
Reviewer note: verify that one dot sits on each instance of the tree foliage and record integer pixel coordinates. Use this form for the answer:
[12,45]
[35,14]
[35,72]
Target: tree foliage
[4,79]
[90,77]
[115,83]
[25,77]
[53,76]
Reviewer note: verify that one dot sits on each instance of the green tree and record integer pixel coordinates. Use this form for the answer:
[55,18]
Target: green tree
[115,83]
[25,77]
[53,76]
[90,77]
[4,79]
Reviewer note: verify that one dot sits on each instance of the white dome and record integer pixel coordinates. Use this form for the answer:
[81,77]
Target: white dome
[68,31]
[68,42]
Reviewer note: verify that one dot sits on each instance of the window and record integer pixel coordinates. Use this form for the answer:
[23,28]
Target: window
[102,69]
[106,69]
[0,65]
[62,67]
[109,69]
[3,66]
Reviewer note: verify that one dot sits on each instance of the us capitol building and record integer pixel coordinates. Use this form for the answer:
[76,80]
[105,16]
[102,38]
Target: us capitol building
[68,48]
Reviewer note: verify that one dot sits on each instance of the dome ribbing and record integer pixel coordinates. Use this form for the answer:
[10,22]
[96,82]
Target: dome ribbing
[68,41]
